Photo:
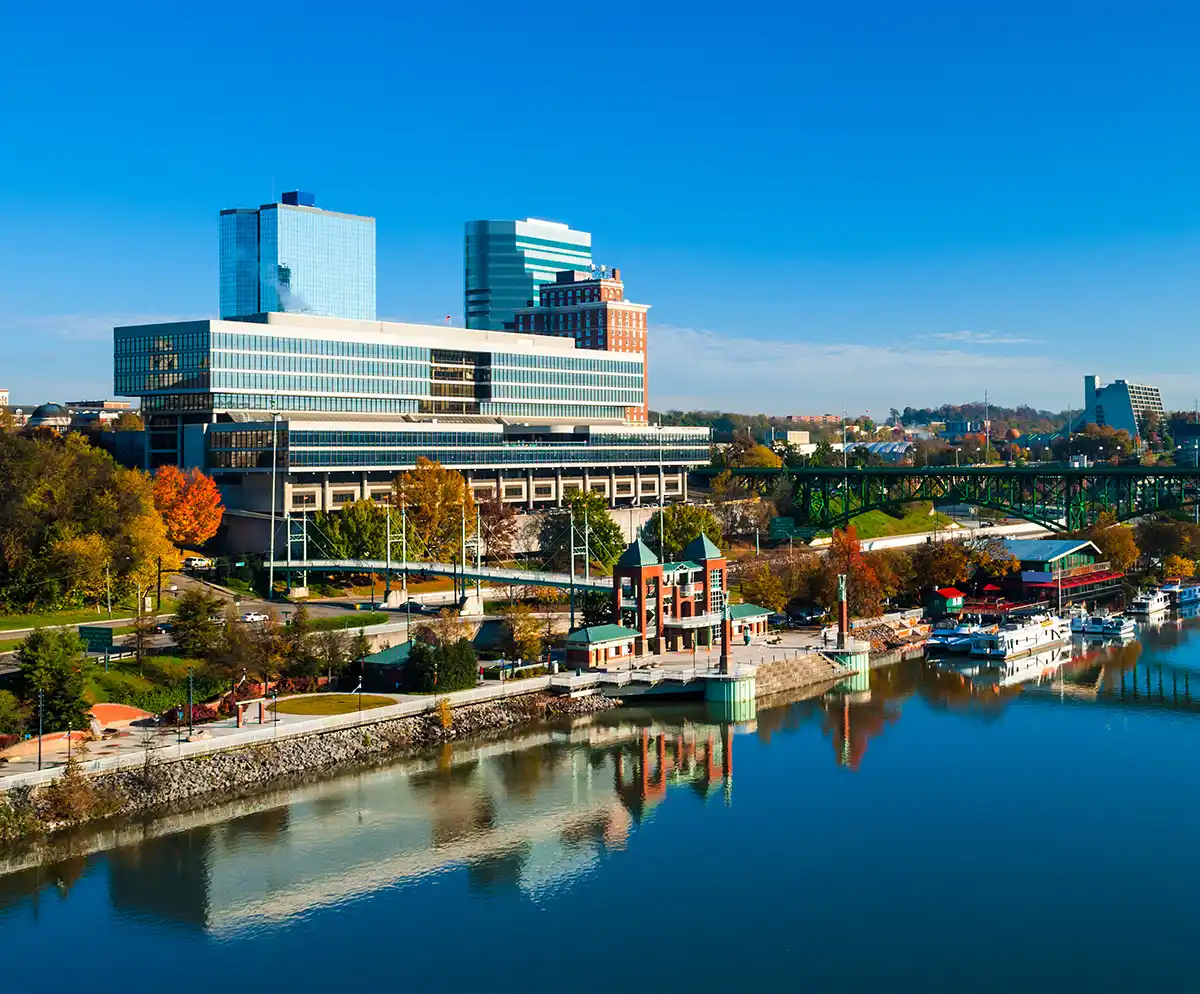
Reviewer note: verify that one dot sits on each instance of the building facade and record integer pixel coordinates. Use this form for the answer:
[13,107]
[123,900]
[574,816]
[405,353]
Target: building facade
[338,408]
[505,262]
[593,312]
[1120,404]
[293,257]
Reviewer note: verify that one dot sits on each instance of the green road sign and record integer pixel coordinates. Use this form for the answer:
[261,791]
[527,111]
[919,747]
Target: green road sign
[781,527]
[98,639]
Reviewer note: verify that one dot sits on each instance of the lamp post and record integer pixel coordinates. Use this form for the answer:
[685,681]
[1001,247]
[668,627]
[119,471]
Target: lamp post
[189,702]
[956,457]
[41,704]
[274,466]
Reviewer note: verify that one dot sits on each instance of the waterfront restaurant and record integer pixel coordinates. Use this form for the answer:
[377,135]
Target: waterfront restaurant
[601,647]
[1050,565]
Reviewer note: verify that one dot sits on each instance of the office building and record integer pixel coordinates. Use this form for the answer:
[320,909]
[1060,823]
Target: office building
[506,261]
[3,398]
[295,258]
[593,312]
[347,405]
[1120,405]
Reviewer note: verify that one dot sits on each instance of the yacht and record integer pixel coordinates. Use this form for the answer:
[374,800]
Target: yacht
[1079,620]
[1096,625]
[1172,587]
[956,639]
[1149,602]
[1020,638]
[1117,626]
[1188,595]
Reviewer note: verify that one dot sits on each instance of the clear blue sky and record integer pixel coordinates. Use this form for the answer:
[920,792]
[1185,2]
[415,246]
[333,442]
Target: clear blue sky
[876,203]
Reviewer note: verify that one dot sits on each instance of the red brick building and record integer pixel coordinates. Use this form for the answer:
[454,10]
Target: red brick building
[593,311]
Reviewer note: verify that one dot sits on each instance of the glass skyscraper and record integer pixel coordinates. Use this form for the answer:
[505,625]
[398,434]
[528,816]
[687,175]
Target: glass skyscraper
[505,261]
[292,257]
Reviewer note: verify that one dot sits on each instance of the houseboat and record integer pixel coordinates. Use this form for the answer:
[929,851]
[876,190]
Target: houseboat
[1020,638]
[1148,602]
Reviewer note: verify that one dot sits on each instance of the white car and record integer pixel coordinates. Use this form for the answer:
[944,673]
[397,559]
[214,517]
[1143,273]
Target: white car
[252,616]
[196,562]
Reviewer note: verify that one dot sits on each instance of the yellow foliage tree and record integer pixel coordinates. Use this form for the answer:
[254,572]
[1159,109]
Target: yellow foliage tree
[438,502]
[1179,566]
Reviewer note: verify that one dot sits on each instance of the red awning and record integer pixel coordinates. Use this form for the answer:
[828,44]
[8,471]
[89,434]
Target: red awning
[1105,576]
[991,588]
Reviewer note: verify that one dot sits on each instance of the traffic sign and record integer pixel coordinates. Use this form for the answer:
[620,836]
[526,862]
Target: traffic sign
[98,639]
[787,528]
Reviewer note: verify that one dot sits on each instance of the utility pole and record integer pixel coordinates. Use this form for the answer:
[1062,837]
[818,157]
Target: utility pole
[587,547]
[404,575]
[571,586]
[41,708]
[108,590]
[158,593]
[189,702]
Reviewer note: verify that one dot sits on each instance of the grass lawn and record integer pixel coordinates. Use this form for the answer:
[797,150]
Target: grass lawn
[879,524]
[74,616]
[320,704]
[360,619]
[123,675]
[9,644]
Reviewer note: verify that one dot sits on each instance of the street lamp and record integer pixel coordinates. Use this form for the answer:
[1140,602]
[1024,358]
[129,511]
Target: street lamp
[274,464]
[956,457]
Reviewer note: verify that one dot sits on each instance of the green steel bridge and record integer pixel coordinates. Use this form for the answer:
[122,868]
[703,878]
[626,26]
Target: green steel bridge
[1054,496]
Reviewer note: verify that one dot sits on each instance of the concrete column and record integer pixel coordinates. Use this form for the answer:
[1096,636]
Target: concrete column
[326,494]
[637,487]
[529,489]
[587,482]
[683,485]
[612,488]
[558,495]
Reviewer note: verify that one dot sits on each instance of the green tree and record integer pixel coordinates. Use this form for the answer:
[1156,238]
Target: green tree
[441,669]
[680,524]
[595,608]
[360,647]
[333,650]
[593,524]
[54,661]
[14,716]
[357,531]
[196,628]
[762,587]
[297,645]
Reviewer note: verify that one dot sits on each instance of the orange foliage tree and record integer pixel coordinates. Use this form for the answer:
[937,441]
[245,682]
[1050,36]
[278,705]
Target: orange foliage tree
[189,503]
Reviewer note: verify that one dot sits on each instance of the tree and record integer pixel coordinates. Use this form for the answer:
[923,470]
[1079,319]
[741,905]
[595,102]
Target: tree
[1179,566]
[440,669]
[296,645]
[54,661]
[1164,537]
[498,522]
[680,524]
[759,457]
[761,586]
[845,556]
[360,647]
[333,651]
[1115,542]
[595,608]
[196,628]
[358,531]
[523,639]
[14,715]
[189,503]
[128,421]
[593,525]
[438,506]
[446,628]
[941,564]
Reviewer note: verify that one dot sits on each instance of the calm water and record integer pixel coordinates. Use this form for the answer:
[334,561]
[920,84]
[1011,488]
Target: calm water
[962,836]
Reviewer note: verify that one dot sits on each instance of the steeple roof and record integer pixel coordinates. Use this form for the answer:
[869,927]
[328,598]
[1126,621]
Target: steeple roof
[700,548]
[638,554]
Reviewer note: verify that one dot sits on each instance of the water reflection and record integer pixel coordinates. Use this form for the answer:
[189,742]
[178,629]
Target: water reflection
[541,812]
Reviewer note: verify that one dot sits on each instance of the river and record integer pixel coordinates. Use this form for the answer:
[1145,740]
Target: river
[930,833]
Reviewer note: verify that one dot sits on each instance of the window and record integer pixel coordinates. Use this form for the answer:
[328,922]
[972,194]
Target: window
[304,500]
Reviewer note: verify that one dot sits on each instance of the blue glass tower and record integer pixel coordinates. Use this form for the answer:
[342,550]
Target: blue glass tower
[295,258]
[505,261]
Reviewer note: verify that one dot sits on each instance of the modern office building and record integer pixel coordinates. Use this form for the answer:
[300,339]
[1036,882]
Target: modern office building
[593,312]
[1120,405]
[292,257]
[506,261]
[347,405]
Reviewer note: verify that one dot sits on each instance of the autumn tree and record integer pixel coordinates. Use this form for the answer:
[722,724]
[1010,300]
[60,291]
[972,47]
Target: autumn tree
[438,505]
[845,556]
[333,648]
[498,522]
[446,628]
[761,586]
[679,525]
[941,564]
[128,421]
[1115,542]
[523,632]
[189,503]
[1179,566]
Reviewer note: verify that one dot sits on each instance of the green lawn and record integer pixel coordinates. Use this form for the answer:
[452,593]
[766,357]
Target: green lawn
[879,524]
[321,704]
[74,616]
[360,619]
[8,645]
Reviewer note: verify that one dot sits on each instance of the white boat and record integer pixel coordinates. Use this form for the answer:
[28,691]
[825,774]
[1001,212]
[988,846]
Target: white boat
[956,639]
[1095,625]
[1189,595]
[1173,589]
[1151,601]
[1020,638]
[1079,620]
[1118,626]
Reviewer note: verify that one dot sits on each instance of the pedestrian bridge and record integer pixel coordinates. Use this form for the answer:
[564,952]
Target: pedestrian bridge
[468,574]
[1056,497]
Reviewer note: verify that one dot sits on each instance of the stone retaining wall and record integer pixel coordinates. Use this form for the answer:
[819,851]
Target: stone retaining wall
[794,672]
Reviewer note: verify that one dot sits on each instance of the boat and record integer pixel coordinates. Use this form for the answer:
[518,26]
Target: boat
[1118,626]
[1189,595]
[1020,638]
[956,639]
[1079,620]
[1152,601]
[1095,625]
[1173,588]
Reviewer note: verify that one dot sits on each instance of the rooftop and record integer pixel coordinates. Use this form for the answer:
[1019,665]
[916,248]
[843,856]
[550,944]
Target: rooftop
[601,633]
[1047,550]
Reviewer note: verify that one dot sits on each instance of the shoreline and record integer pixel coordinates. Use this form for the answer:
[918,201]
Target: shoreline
[33,817]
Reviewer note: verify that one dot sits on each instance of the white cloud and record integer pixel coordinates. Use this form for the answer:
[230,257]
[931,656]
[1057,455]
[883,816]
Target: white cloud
[982,338]
[693,369]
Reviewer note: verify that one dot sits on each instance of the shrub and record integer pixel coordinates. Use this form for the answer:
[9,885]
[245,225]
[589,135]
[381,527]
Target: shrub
[201,713]
[434,669]
[445,712]
[73,798]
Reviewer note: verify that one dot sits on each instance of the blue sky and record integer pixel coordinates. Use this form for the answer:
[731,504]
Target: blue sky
[874,204]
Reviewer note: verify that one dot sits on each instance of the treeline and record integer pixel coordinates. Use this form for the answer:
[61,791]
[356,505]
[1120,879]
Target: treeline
[1022,417]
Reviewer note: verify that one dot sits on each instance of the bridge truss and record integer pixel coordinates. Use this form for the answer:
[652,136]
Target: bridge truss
[1058,498]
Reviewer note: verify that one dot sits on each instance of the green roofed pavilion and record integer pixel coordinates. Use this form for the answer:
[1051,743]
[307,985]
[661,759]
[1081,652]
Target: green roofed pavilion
[600,633]
[638,554]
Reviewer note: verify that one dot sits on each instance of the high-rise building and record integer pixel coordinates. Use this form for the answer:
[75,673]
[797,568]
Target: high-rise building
[1120,404]
[295,258]
[592,310]
[506,261]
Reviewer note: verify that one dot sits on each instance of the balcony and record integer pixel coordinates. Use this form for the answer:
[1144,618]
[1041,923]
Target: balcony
[695,621]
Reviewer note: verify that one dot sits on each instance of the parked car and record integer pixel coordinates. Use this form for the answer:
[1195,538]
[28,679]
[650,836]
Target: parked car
[250,617]
[987,524]
[196,562]
[164,628]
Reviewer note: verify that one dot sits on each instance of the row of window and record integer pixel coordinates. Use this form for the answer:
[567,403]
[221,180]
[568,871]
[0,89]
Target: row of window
[158,362]
[472,456]
[137,384]
[369,386]
[242,342]
[507,392]
[589,365]
[546,378]
[176,341]
[317,364]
